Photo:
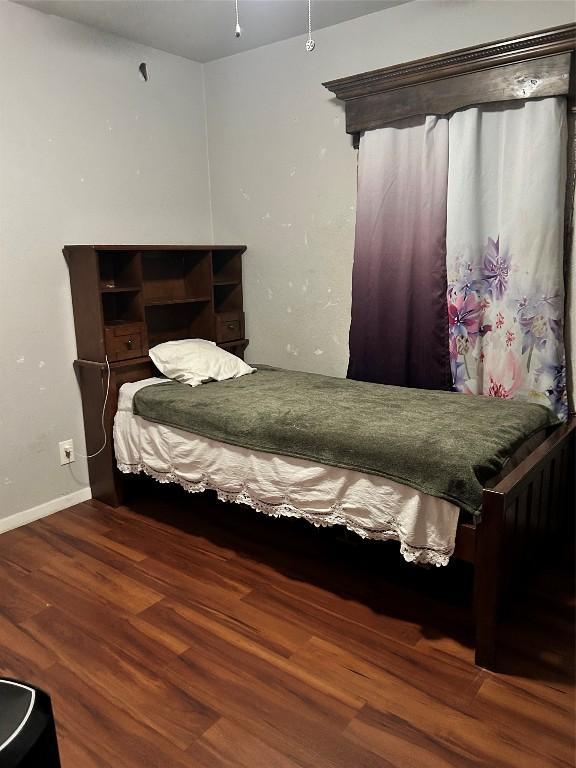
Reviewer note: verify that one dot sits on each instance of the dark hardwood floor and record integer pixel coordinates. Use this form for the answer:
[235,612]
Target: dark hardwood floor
[179,631]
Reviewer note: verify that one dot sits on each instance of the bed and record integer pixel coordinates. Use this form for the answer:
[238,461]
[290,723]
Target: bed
[494,523]
[128,298]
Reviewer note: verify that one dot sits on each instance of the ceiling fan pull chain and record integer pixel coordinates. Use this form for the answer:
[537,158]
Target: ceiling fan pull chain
[238,31]
[310,44]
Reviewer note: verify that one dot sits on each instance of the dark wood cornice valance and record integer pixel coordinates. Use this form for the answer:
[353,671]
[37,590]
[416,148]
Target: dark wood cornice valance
[530,66]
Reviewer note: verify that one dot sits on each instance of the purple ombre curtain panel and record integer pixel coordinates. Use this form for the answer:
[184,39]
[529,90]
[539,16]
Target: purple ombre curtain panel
[399,327]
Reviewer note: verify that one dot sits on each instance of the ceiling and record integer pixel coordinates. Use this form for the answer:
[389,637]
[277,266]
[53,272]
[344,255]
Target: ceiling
[203,30]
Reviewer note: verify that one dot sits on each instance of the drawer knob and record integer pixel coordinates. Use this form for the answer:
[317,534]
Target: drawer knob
[129,343]
[231,326]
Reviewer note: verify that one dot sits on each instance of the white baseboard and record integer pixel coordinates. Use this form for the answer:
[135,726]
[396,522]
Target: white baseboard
[43,510]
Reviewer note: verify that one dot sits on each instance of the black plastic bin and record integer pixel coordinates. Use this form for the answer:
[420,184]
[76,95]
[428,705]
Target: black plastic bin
[27,730]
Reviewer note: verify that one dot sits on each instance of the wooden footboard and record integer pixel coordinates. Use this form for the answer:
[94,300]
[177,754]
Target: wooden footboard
[522,518]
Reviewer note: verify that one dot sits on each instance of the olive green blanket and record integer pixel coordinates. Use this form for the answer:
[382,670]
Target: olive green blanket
[442,443]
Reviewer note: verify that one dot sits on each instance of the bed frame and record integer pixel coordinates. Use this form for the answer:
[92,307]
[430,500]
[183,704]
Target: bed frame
[524,515]
[526,512]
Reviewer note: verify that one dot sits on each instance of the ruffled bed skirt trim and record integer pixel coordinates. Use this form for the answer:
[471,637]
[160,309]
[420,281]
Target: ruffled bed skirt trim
[334,516]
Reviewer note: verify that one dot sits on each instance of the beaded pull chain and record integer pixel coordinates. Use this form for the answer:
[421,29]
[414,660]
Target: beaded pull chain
[310,44]
[238,31]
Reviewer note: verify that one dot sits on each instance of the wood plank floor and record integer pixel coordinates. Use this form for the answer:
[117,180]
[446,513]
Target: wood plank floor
[179,631]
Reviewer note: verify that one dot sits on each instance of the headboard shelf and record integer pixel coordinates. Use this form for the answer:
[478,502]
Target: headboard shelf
[166,302]
[128,298]
[123,289]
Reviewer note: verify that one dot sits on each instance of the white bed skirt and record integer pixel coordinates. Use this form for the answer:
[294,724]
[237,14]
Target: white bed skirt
[371,506]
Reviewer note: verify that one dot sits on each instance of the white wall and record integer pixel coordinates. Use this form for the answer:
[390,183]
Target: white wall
[283,172]
[88,153]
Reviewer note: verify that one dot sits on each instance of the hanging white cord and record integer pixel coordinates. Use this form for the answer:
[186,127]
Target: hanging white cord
[238,31]
[92,455]
[310,44]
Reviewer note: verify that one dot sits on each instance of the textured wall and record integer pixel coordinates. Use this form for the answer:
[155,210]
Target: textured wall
[283,172]
[88,153]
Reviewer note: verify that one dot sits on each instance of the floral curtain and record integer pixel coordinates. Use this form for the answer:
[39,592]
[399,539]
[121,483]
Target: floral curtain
[505,214]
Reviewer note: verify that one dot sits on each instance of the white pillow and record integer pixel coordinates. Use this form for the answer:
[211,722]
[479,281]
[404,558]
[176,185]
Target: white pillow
[193,361]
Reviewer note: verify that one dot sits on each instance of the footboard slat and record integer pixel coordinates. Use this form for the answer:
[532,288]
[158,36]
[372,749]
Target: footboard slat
[552,498]
[560,505]
[529,533]
[545,508]
[515,532]
[538,517]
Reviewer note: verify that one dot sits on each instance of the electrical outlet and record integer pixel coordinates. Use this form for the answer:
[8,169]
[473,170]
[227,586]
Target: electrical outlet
[66,452]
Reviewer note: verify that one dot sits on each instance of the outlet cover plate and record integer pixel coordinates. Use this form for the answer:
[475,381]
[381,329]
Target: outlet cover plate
[66,447]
